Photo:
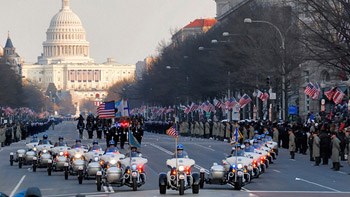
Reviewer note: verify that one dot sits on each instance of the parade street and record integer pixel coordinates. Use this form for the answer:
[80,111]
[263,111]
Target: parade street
[284,177]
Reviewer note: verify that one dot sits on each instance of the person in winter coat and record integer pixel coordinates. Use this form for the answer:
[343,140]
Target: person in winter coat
[335,152]
[292,146]
[316,149]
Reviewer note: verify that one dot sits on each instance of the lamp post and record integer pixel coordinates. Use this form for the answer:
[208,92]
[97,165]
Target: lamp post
[249,20]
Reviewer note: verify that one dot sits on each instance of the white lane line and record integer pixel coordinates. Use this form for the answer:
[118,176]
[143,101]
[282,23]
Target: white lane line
[105,188]
[306,181]
[74,194]
[245,189]
[204,147]
[200,167]
[300,192]
[162,149]
[277,171]
[17,186]
[342,172]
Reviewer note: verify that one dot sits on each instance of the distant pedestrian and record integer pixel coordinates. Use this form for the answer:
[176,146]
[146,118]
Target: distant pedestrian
[316,149]
[292,146]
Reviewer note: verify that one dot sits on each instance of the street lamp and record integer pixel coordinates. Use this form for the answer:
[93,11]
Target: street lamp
[249,20]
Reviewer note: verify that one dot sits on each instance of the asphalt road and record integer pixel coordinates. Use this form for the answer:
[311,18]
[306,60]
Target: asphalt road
[284,178]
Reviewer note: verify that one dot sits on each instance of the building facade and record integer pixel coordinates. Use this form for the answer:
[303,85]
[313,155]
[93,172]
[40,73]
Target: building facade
[66,61]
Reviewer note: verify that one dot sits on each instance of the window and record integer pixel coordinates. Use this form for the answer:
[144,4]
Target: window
[307,76]
[325,75]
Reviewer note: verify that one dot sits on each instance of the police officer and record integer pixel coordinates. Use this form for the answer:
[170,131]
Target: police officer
[180,153]
[45,140]
[122,133]
[133,152]
[111,148]
[8,135]
[95,146]
[61,142]
[137,131]
[77,144]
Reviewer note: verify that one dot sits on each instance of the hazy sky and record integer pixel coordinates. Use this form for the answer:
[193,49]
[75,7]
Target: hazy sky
[127,30]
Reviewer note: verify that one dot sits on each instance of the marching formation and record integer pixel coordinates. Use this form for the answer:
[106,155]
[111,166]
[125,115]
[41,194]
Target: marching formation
[110,168]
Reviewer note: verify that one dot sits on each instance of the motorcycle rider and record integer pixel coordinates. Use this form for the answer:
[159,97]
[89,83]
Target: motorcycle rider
[256,144]
[60,142]
[45,140]
[133,153]
[111,148]
[34,139]
[95,146]
[237,151]
[77,144]
[248,147]
[180,152]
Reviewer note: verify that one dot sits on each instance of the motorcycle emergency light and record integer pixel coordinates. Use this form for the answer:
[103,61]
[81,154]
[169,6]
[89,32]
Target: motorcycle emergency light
[173,171]
[140,168]
[124,124]
[188,170]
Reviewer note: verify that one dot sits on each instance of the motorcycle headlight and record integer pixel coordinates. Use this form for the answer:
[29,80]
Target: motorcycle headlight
[77,156]
[96,159]
[133,167]
[44,151]
[239,166]
[34,149]
[181,168]
[61,153]
[113,161]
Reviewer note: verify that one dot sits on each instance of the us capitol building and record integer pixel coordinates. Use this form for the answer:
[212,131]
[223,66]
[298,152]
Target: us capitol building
[66,62]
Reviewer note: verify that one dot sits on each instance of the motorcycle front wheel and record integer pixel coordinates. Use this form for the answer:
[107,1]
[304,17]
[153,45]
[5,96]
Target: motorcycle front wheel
[181,187]
[134,184]
[80,176]
[98,183]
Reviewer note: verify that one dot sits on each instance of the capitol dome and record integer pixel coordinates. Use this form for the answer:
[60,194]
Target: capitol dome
[65,39]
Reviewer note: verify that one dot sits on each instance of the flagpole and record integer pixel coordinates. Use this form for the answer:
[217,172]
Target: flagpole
[176,153]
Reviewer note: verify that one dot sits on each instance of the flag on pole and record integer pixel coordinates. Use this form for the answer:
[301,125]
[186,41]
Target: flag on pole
[106,110]
[310,89]
[244,100]
[172,131]
[133,141]
[330,93]
[338,96]
[122,107]
[317,93]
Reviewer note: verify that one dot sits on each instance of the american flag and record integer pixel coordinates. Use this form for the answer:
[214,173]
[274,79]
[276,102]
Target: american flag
[338,96]
[230,103]
[106,110]
[245,99]
[330,93]
[317,93]
[217,103]
[310,89]
[264,96]
[172,131]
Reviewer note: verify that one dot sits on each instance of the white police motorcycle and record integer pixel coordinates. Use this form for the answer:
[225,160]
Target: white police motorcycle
[111,171]
[235,170]
[179,177]
[77,163]
[60,158]
[134,174]
[24,156]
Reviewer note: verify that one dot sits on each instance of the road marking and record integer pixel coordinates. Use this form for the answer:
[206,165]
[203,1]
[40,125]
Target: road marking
[74,194]
[105,188]
[342,172]
[200,167]
[300,192]
[277,171]
[17,186]
[204,147]
[162,149]
[245,189]
[111,189]
[300,179]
